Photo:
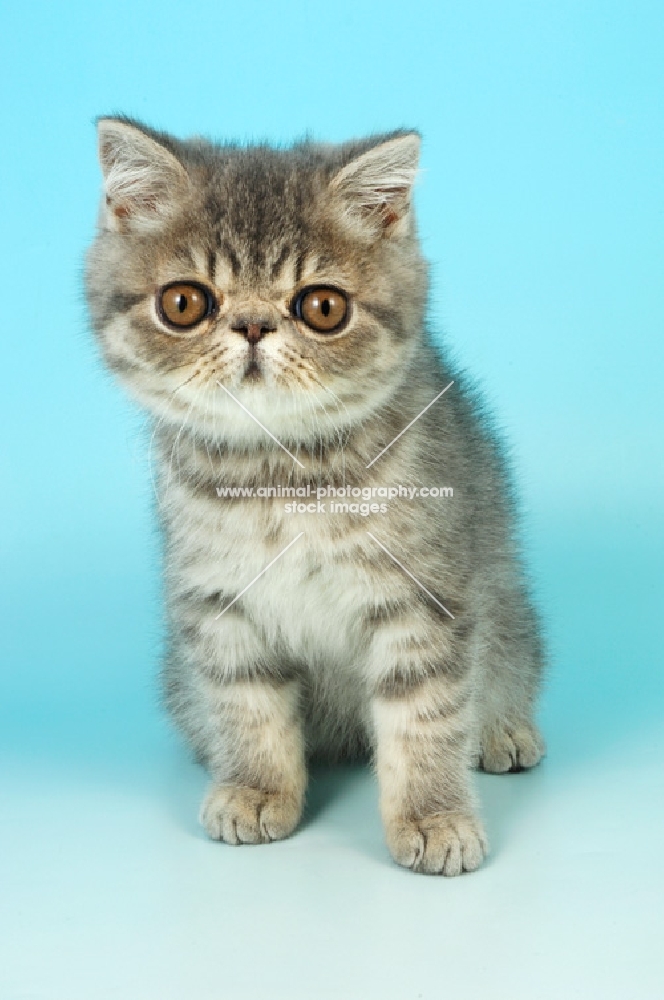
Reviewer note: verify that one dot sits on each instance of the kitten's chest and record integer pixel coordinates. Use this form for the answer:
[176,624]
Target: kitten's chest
[308,593]
[287,570]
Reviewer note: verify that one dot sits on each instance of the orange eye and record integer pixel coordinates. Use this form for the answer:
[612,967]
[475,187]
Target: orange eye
[323,309]
[184,304]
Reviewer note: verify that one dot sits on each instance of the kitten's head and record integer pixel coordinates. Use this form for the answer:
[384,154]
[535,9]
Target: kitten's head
[292,278]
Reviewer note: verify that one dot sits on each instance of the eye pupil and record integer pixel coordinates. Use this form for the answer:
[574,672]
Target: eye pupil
[182,303]
[325,307]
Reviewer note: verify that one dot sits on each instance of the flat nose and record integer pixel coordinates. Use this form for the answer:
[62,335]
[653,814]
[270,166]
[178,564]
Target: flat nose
[253,328]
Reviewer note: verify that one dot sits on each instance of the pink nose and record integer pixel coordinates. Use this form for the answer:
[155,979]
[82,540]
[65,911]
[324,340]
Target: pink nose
[253,329]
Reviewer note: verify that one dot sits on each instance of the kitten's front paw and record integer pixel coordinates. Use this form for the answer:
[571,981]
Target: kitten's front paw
[506,747]
[240,815]
[442,844]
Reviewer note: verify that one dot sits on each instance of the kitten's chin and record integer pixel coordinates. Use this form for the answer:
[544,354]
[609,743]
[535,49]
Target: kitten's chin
[239,410]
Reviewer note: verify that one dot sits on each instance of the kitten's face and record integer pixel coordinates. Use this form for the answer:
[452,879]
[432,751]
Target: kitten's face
[289,280]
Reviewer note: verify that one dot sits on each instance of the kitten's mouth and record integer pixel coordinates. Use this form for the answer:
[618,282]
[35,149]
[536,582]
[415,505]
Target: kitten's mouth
[253,371]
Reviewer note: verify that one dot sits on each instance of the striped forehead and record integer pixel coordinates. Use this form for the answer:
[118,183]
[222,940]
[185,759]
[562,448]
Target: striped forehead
[286,265]
[255,210]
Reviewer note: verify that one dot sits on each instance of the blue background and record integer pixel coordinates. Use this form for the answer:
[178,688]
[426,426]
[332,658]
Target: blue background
[541,208]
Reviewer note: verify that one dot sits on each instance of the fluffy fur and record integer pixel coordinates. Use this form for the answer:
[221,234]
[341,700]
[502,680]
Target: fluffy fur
[335,650]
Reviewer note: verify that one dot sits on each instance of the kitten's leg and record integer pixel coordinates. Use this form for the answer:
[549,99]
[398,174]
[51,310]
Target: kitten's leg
[423,715]
[257,762]
[242,715]
[510,656]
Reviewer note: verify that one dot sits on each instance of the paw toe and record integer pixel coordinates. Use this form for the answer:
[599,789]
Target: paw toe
[510,748]
[240,815]
[441,844]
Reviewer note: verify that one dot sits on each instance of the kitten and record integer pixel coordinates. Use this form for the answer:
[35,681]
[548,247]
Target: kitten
[267,307]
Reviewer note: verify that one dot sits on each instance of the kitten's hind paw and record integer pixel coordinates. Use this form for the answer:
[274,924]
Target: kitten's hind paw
[505,747]
[446,843]
[240,815]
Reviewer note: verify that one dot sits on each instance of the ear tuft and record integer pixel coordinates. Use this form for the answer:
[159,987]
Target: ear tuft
[142,179]
[376,186]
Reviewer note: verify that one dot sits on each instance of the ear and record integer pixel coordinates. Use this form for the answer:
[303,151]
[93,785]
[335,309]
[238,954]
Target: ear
[376,186]
[143,181]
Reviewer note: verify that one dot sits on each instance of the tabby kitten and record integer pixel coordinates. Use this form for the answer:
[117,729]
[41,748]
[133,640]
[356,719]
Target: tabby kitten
[267,307]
